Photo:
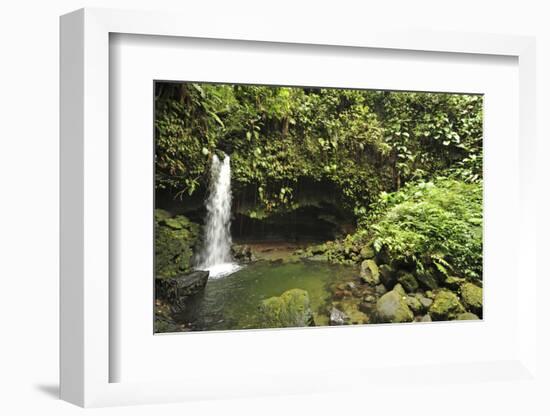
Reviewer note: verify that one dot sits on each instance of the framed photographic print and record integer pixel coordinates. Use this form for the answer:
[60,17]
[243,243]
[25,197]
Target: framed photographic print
[238,208]
[285,207]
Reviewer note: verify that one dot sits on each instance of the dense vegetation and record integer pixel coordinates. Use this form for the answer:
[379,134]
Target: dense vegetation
[357,142]
[404,167]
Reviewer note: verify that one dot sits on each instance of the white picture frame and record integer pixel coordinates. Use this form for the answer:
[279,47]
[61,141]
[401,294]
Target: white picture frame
[85,217]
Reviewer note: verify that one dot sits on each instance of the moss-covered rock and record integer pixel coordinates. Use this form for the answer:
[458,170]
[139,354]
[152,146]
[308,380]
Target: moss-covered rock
[426,318]
[176,290]
[424,300]
[369,272]
[291,309]
[352,311]
[446,306]
[175,242]
[392,307]
[414,304]
[427,280]
[472,296]
[467,316]
[399,289]
[409,283]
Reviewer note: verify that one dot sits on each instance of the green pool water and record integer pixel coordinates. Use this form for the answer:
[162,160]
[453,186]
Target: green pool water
[231,302]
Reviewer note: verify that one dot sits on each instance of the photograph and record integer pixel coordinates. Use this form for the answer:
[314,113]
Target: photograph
[306,206]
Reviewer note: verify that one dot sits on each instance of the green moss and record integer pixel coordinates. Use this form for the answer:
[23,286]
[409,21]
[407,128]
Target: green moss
[369,272]
[446,306]
[175,241]
[472,296]
[408,282]
[392,307]
[291,309]
[467,316]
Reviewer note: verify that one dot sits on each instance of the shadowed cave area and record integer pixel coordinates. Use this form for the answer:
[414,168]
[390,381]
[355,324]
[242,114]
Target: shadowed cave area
[319,215]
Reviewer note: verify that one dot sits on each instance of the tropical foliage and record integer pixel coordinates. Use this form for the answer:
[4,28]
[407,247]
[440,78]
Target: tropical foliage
[435,223]
[405,166]
[362,142]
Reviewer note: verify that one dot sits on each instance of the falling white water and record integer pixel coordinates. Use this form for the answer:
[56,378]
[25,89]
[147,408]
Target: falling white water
[216,253]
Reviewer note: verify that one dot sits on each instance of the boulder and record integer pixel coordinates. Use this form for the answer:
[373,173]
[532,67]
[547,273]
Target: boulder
[409,282]
[291,309]
[414,304]
[446,306]
[427,280]
[337,317]
[175,290]
[467,316]
[472,296]
[369,272]
[399,289]
[353,313]
[392,307]
[426,318]
[425,301]
[388,276]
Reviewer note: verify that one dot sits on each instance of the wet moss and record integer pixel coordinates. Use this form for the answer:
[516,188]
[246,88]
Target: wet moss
[291,309]
[175,242]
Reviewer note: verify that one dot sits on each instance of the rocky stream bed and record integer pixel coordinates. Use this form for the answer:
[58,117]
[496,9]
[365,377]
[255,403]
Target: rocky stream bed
[290,285]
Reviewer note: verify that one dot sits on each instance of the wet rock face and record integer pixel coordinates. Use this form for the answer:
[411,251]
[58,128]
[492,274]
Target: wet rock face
[291,309]
[393,308]
[176,290]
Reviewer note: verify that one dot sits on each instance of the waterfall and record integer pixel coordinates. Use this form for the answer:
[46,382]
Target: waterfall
[216,254]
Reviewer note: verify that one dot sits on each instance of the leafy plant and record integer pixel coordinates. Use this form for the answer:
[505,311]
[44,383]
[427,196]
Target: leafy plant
[435,223]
